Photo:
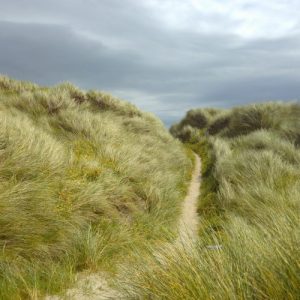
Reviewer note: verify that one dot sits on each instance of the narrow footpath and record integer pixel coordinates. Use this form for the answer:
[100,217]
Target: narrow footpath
[189,220]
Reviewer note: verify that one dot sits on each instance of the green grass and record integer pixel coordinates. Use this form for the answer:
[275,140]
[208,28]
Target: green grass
[88,182]
[249,205]
[253,263]
[84,177]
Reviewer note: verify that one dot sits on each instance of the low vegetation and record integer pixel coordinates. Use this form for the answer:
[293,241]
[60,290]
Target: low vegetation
[84,177]
[249,237]
[88,182]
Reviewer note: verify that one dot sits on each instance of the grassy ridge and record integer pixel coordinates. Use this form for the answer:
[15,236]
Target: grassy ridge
[252,140]
[84,177]
[249,241]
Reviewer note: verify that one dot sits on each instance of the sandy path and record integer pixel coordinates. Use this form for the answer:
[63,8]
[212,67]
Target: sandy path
[189,220]
[96,287]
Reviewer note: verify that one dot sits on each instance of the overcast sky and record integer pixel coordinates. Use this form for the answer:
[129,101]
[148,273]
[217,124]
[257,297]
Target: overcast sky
[166,56]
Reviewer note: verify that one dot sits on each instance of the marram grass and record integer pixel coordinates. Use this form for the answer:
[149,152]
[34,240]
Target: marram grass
[249,209]
[88,182]
[84,177]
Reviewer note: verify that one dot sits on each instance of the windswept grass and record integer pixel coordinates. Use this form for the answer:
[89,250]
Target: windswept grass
[84,177]
[249,235]
[252,263]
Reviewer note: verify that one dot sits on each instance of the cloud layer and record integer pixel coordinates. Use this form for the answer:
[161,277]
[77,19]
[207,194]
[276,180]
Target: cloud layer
[165,56]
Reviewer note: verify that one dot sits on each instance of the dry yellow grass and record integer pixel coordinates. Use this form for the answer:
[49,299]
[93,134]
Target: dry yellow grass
[83,178]
[249,234]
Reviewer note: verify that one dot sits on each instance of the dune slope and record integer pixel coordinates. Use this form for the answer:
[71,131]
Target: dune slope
[83,177]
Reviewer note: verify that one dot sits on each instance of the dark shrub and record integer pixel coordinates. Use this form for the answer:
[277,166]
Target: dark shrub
[195,118]
[254,117]
[218,125]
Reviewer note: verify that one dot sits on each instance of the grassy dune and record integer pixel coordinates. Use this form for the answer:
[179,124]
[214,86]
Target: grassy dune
[84,178]
[249,237]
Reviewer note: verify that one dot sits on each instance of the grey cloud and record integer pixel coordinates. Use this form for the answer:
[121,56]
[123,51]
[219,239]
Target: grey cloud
[52,53]
[130,50]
